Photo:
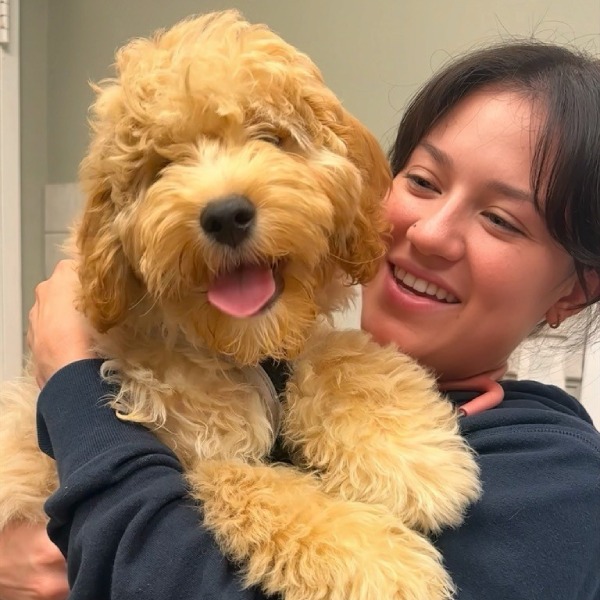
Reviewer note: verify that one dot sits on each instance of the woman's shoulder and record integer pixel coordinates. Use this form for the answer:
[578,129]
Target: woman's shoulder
[531,408]
[550,398]
[539,432]
[539,456]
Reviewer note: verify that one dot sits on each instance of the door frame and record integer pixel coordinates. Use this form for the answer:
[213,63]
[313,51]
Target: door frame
[11,328]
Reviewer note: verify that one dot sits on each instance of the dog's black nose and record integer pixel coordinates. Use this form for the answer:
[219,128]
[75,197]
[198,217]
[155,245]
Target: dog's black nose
[228,220]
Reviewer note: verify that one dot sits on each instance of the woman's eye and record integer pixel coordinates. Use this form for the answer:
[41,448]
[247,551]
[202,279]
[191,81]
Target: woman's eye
[420,182]
[498,221]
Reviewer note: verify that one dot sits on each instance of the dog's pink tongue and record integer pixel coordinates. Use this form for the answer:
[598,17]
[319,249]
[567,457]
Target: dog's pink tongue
[243,292]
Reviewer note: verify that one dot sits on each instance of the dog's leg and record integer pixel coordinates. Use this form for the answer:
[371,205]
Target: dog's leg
[291,538]
[372,423]
[27,476]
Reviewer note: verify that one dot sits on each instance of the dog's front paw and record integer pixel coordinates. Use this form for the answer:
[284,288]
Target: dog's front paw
[395,563]
[361,552]
[428,486]
[294,540]
[371,422]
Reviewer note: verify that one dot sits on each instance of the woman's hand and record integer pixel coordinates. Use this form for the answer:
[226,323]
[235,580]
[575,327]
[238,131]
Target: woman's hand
[58,333]
[31,566]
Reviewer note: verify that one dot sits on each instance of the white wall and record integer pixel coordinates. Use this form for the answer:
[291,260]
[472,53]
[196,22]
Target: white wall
[373,54]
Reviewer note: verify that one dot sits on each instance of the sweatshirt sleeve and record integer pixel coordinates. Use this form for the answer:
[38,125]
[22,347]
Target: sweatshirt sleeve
[121,515]
[535,532]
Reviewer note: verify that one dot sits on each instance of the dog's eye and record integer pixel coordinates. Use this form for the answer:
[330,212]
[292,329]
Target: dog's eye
[270,138]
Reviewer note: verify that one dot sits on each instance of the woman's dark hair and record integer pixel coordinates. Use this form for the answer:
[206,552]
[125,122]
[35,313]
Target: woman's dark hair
[566,164]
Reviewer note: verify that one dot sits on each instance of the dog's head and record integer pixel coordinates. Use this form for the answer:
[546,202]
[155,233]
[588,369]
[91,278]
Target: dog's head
[227,190]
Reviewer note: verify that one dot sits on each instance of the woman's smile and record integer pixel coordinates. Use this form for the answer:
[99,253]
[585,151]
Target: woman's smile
[416,292]
[422,287]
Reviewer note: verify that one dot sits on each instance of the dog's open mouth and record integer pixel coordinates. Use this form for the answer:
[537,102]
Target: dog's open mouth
[246,290]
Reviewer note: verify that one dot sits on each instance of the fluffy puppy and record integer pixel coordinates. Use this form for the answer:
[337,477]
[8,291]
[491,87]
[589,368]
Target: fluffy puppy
[231,199]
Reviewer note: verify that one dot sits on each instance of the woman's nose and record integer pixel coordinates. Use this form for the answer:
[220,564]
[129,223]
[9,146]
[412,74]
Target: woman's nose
[439,233]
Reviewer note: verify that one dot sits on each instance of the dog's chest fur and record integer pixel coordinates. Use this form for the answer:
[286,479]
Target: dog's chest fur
[201,406]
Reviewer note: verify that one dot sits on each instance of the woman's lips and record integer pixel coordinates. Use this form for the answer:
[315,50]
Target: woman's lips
[422,287]
[400,291]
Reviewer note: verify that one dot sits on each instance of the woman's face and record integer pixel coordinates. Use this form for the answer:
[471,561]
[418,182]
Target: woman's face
[471,269]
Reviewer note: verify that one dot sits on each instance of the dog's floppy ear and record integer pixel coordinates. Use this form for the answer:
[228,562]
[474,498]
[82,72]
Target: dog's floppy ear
[365,246]
[109,286]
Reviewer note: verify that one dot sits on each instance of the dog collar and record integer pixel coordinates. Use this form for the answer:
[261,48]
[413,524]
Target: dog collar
[259,378]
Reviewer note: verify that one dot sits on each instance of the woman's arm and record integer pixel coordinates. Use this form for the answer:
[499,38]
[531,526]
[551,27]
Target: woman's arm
[122,515]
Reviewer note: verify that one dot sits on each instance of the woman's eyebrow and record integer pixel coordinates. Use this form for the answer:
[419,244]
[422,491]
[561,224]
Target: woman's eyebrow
[438,155]
[499,187]
[508,191]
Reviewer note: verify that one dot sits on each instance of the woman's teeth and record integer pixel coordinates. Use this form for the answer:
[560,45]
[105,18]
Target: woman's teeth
[423,287]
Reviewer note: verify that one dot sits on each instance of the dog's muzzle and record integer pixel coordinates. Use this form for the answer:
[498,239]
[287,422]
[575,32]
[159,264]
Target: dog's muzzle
[228,220]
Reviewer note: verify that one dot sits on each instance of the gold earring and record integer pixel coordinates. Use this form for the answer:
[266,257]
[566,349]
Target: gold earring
[555,325]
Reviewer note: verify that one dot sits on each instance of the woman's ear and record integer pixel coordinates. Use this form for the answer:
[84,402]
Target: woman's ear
[576,298]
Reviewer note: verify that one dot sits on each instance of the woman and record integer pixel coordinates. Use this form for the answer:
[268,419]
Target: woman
[495,210]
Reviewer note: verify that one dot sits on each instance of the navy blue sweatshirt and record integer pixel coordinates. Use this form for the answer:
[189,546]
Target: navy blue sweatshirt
[123,517]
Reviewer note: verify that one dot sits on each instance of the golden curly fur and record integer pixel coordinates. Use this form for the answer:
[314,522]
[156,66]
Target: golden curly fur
[213,109]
